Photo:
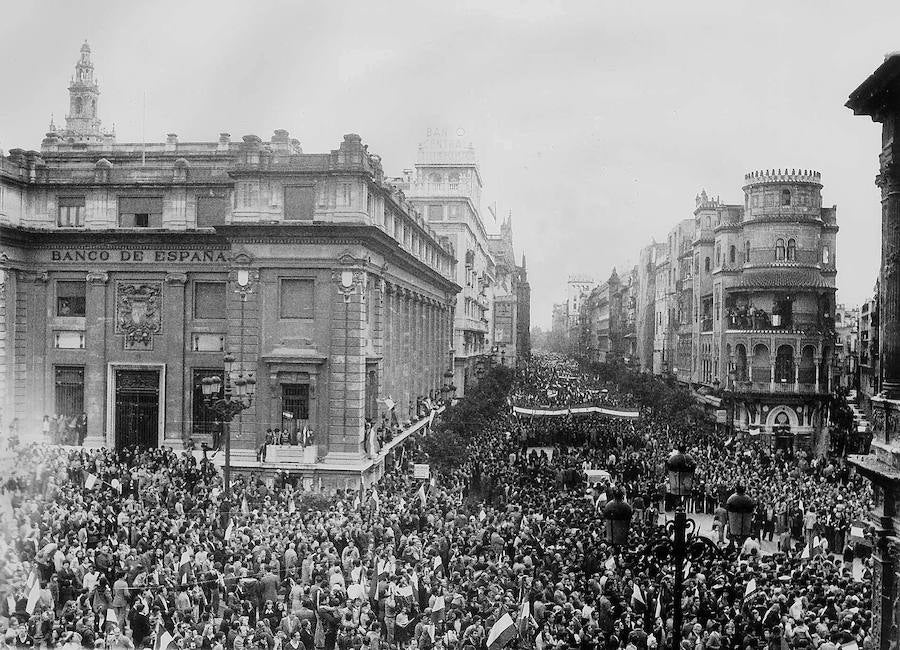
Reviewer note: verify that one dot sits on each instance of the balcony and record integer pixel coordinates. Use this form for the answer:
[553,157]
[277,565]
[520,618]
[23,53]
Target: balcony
[784,387]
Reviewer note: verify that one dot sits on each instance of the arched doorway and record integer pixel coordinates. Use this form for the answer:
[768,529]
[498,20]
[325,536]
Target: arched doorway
[782,421]
[784,364]
[761,365]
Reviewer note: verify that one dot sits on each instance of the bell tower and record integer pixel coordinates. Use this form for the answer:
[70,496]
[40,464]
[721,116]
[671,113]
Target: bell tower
[82,123]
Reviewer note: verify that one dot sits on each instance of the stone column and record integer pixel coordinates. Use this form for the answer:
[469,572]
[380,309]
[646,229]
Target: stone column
[796,376]
[95,361]
[406,362]
[889,286]
[347,369]
[174,320]
[389,362]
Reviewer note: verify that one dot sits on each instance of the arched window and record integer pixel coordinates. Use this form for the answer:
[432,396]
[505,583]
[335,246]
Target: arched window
[706,265]
[732,254]
[435,178]
[779,250]
[792,250]
[718,255]
[825,255]
[747,252]
[79,104]
[785,197]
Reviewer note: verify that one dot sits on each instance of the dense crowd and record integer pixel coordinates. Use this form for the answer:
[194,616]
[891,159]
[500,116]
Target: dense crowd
[130,549]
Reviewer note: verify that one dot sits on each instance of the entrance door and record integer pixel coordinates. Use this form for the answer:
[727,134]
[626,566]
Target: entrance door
[137,408]
[294,408]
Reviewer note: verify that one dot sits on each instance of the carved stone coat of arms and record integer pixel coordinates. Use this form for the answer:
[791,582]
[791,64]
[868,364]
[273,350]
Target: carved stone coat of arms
[138,310]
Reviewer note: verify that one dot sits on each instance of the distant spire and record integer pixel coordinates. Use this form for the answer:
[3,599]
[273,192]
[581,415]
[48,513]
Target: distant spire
[523,260]
[52,125]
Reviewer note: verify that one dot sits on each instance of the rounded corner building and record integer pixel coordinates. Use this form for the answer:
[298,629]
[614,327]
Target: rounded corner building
[764,303]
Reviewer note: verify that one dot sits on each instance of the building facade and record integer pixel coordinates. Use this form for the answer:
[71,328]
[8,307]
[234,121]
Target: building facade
[446,186]
[512,300]
[129,269]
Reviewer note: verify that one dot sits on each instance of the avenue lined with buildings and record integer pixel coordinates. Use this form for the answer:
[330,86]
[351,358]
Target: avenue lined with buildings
[255,397]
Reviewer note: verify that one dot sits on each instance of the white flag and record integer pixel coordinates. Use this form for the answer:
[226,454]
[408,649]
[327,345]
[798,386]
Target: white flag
[33,596]
[230,530]
[421,494]
[482,515]
[751,587]
[90,481]
[389,403]
[436,562]
[111,616]
[438,603]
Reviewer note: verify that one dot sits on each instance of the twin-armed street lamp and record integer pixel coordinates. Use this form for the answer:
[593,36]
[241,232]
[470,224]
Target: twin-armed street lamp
[682,538]
[236,398]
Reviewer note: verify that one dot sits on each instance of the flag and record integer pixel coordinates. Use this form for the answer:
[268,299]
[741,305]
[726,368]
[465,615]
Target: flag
[111,616]
[439,603]
[230,530]
[245,507]
[524,615]
[687,569]
[421,494]
[610,564]
[33,596]
[163,638]
[376,499]
[116,484]
[805,554]
[482,515]
[750,588]
[637,600]
[184,578]
[502,632]
[539,643]
[431,417]
[292,507]
[389,403]
[658,616]
[436,562]
[90,482]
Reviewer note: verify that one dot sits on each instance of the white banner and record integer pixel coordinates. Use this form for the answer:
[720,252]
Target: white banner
[580,410]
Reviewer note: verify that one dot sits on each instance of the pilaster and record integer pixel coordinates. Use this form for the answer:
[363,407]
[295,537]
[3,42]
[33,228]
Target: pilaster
[173,313]
[242,306]
[95,385]
[889,285]
[346,417]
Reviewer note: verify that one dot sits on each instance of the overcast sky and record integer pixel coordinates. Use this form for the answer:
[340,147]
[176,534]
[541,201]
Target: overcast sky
[595,123]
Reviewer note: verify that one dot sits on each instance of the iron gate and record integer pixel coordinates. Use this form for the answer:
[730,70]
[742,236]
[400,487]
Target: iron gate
[137,408]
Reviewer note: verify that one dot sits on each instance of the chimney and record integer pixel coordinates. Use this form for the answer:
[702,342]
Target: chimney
[171,142]
[224,142]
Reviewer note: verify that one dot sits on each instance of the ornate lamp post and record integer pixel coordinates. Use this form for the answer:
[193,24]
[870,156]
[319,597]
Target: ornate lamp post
[236,398]
[681,540]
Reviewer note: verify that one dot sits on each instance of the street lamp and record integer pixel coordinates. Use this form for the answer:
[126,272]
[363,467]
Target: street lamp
[236,398]
[740,509]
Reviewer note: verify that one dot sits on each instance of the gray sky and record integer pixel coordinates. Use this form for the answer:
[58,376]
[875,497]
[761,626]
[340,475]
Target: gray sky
[596,123]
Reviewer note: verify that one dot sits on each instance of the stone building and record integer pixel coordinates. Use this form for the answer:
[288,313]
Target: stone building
[128,269]
[748,304]
[446,186]
[869,380]
[512,300]
[878,97]
[645,316]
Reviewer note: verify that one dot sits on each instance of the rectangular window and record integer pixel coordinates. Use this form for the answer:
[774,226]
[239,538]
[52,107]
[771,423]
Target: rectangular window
[204,421]
[209,300]
[250,194]
[297,298]
[436,212]
[70,298]
[140,212]
[69,384]
[70,212]
[212,210]
[294,406]
[346,194]
[299,202]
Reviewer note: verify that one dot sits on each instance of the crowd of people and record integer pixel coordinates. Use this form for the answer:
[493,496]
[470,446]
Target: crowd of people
[145,548]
